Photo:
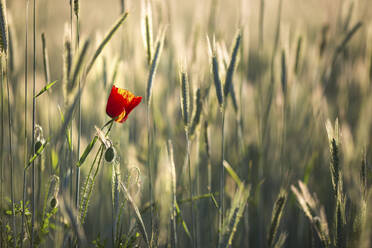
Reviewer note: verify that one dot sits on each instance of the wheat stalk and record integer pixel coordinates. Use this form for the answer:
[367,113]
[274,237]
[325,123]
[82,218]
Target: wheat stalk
[172,169]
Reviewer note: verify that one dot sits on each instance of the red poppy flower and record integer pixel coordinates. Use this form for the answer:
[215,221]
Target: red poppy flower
[120,103]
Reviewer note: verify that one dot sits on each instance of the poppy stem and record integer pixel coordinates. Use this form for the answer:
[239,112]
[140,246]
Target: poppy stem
[109,128]
[109,122]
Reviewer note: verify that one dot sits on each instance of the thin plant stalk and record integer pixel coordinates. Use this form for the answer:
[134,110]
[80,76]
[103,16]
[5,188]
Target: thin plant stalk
[152,72]
[261,24]
[33,125]
[79,122]
[10,154]
[174,197]
[88,178]
[2,146]
[85,210]
[185,104]
[70,150]
[25,149]
[87,189]
[70,20]
[220,98]
[197,178]
[24,198]
[149,144]
[191,189]
[222,171]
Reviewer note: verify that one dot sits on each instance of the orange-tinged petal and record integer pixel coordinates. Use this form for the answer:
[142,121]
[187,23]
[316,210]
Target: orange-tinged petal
[120,103]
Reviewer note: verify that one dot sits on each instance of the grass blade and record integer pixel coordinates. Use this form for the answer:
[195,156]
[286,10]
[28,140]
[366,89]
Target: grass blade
[137,212]
[87,151]
[147,29]
[154,64]
[180,219]
[47,87]
[232,173]
[104,42]
[37,154]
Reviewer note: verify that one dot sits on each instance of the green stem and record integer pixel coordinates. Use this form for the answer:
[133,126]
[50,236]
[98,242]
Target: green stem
[149,152]
[10,153]
[87,181]
[222,174]
[1,150]
[92,184]
[25,145]
[191,189]
[79,128]
[86,185]
[33,124]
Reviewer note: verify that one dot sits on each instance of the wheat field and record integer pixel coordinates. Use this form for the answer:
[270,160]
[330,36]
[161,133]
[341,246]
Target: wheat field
[250,123]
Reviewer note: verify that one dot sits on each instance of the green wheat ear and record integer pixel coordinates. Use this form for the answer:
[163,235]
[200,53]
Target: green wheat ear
[276,217]
[76,8]
[197,114]
[215,71]
[232,65]
[76,69]
[185,96]
[234,215]
[154,63]
[147,29]
[3,28]
[67,64]
[298,55]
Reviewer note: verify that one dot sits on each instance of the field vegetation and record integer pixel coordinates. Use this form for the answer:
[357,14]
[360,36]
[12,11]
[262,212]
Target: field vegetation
[250,123]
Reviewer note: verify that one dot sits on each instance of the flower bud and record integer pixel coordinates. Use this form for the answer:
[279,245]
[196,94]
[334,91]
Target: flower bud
[53,202]
[38,144]
[110,154]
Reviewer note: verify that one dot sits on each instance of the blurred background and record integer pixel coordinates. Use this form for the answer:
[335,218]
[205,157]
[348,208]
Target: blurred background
[300,63]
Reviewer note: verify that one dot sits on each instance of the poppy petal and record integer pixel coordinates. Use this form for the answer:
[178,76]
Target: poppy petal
[120,103]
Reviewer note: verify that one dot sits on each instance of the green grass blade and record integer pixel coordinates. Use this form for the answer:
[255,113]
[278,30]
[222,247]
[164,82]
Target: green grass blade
[138,215]
[68,137]
[180,219]
[87,151]
[232,173]
[107,38]
[47,87]
[37,154]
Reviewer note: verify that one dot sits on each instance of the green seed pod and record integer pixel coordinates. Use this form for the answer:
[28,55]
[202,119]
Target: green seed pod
[110,154]
[53,202]
[38,144]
